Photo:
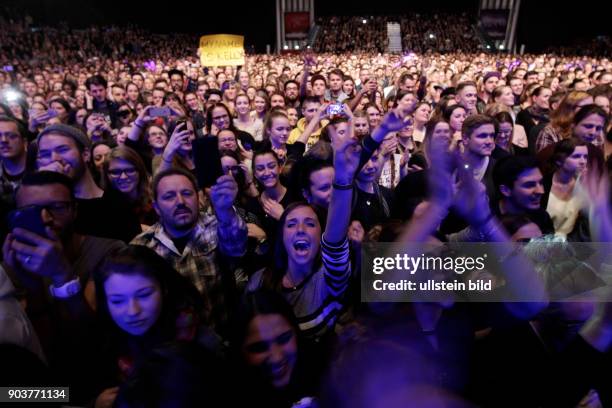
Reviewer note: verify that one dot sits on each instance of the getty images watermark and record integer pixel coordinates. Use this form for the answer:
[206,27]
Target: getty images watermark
[485,272]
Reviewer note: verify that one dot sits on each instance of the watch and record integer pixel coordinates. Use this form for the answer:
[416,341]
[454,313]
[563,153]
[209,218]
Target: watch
[67,290]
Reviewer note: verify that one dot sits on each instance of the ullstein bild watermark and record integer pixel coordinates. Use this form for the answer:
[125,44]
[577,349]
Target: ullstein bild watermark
[486,272]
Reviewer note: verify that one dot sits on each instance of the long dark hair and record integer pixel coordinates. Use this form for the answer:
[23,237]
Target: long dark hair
[272,278]
[177,292]
[130,156]
[209,115]
[259,302]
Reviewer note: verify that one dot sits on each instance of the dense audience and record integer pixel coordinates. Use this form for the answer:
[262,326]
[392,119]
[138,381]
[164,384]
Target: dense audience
[420,33]
[172,233]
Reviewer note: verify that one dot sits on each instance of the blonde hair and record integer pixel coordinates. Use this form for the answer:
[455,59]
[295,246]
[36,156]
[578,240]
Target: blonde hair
[495,108]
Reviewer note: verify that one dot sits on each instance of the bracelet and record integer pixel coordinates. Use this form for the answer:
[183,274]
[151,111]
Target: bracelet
[138,125]
[342,186]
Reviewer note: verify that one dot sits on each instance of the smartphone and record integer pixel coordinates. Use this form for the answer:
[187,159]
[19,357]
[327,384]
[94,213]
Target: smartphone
[163,112]
[8,68]
[28,218]
[335,109]
[207,161]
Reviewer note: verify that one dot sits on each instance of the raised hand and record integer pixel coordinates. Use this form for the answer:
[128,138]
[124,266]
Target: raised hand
[442,165]
[179,138]
[222,195]
[346,151]
[143,118]
[470,199]
[38,118]
[309,60]
[38,255]
[395,121]
[389,144]
[356,233]
[371,86]
[245,154]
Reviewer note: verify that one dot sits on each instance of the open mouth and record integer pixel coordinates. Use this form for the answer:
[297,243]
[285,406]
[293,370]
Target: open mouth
[301,247]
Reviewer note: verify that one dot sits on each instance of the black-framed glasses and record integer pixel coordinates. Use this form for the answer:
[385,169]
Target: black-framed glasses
[116,173]
[56,208]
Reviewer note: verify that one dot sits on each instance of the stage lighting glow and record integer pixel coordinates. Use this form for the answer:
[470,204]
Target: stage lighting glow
[364,21]
[11,95]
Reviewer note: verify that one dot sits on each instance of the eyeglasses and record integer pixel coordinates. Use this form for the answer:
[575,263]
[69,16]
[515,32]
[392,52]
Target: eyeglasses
[9,135]
[116,173]
[56,208]
[123,113]
[222,117]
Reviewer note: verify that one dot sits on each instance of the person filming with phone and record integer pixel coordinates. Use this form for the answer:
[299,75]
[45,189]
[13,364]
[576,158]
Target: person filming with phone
[52,265]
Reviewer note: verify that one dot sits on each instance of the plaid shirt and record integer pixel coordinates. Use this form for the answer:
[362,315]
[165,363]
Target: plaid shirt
[198,262]
[548,136]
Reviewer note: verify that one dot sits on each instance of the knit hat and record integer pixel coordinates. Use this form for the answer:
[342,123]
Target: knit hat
[79,137]
[491,74]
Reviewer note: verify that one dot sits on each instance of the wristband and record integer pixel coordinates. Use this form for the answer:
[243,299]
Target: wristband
[67,290]
[138,125]
[166,160]
[342,186]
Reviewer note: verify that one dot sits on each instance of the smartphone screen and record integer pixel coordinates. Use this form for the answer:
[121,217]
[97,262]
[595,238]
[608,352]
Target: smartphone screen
[28,218]
[207,161]
[335,110]
[157,111]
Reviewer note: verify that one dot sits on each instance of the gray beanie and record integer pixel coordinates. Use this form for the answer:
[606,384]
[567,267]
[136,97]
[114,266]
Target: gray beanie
[69,131]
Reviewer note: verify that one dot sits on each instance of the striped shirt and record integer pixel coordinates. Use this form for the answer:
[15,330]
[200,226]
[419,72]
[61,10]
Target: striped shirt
[317,300]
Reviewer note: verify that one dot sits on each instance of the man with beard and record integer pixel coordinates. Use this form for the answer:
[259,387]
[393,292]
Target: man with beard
[53,271]
[292,93]
[188,239]
[13,150]
[489,83]
[65,149]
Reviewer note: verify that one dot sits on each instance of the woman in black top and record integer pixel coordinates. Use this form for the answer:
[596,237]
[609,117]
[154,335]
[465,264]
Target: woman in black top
[274,198]
[219,117]
[538,112]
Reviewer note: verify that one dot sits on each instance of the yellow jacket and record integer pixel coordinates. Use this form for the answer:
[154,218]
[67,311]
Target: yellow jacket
[299,129]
